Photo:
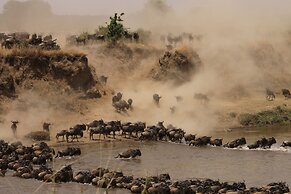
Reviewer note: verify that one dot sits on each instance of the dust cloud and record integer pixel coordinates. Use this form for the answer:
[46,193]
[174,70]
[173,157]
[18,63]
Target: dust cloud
[245,47]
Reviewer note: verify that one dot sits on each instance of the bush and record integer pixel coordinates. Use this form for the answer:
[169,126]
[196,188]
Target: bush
[115,28]
[275,116]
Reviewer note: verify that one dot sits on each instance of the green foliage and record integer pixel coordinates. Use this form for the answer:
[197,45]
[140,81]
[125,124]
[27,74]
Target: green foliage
[276,116]
[115,28]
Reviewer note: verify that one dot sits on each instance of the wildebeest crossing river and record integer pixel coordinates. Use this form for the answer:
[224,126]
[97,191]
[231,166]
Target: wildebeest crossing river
[255,167]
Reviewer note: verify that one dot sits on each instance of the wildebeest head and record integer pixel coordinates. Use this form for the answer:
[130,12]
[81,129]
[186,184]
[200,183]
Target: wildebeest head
[156,97]
[14,121]
[119,95]
[103,79]
[130,101]
[160,124]
[272,140]
[138,152]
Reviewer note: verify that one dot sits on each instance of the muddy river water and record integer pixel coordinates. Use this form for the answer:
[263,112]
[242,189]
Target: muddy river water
[255,167]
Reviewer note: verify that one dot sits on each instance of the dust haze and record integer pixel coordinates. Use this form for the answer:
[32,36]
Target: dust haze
[245,47]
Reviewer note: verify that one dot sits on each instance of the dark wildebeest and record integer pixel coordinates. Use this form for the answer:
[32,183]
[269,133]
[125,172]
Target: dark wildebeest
[270,95]
[35,40]
[173,109]
[131,153]
[201,97]
[216,142]
[129,102]
[101,129]
[70,151]
[94,123]
[286,93]
[236,143]
[263,143]
[62,133]
[157,98]
[116,97]
[127,35]
[286,144]
[114,126]
[46,126]
[189,137]
[8,43]
[76,131]
[121,106]
[201,141]
[14,127]
[135,36]
[80,40]
[103,79]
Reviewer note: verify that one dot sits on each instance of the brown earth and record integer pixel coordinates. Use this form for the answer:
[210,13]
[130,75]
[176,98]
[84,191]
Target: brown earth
[178,66]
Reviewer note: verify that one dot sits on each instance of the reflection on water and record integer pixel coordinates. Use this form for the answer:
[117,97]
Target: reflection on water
[255,167]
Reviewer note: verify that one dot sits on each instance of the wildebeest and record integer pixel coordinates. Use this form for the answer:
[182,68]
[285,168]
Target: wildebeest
[46,126]
[270,95]
[100,129]
[216,142]
[121,106]
[80,39]
[189,137]
[236,143]
[9,43]
[129,128]
[62,133]
[286,144]
[201,141]
[201,97]
[70,151]
[175,134]
[95,123]
[64,175]
[135,36]
[131,153]
[103,79]
[14,127]
[286,93]
[157,98]
[35,40]
[129,102]
[75,131]
[173,109]
[114,126]
[83,177]
[263,143]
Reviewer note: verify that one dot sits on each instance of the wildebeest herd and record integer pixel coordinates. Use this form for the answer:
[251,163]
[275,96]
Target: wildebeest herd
[25,40]
[32,162]
[270,95]
[86,38]
[141,131]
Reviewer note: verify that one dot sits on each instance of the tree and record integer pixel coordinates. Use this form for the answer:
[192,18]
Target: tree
[115,28]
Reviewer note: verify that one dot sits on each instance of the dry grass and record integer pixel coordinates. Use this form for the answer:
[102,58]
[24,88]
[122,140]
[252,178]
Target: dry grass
[37,52]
